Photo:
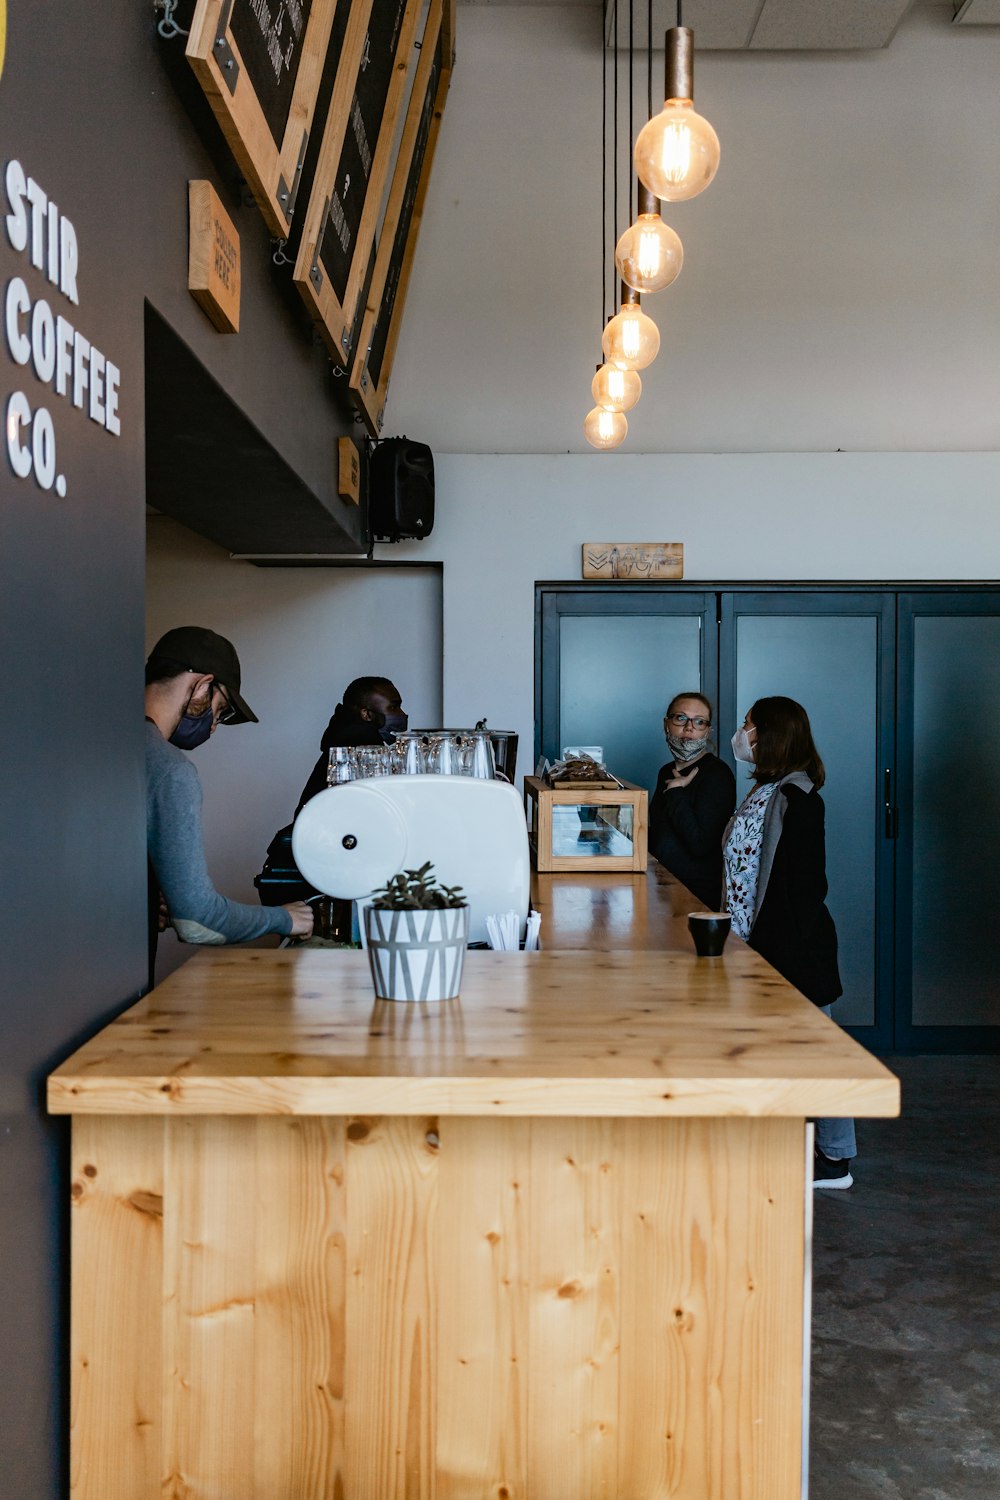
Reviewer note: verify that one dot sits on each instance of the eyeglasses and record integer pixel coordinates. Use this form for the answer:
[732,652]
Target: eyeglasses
[227,714]
[679,720]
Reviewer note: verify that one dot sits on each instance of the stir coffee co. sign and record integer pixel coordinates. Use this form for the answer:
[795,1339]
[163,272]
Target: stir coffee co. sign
[42,337]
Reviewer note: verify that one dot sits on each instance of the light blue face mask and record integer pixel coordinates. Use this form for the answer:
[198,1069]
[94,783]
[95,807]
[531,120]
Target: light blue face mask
[687,749]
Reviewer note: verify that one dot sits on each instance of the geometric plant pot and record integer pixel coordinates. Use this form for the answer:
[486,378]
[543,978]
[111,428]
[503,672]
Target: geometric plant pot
[417,955]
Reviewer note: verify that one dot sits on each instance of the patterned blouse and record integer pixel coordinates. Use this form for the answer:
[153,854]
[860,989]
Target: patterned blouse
[742,857]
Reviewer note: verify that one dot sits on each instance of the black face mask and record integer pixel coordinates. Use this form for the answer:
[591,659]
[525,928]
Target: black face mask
[193,730]
[393,723]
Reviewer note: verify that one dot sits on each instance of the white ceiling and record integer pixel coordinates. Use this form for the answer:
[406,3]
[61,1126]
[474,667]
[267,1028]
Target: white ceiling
[770,25]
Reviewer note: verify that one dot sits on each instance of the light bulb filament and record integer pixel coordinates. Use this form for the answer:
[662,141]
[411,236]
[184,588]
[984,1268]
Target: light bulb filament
[606,425]
[616,385]
[649,253]
[676,155]
[631,337]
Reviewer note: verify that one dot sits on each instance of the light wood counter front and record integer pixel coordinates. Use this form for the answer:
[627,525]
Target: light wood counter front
[544,1243]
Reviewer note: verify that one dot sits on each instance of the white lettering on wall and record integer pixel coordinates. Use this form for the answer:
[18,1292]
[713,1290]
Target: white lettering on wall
[60,356]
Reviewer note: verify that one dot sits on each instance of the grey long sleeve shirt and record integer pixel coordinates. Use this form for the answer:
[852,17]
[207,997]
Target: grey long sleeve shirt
[177,853]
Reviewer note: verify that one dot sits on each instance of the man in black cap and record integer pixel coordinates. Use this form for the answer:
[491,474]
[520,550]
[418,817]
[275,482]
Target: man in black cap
[193,686]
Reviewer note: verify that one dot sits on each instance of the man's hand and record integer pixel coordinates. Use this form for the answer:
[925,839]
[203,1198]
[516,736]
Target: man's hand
[301,914]
[163,915]
[679,781]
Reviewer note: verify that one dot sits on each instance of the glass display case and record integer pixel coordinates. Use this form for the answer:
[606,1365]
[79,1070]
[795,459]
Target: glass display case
[586,828]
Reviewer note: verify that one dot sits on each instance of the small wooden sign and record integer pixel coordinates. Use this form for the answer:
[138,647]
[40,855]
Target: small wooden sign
[348,471]
[633,561]
[213,257]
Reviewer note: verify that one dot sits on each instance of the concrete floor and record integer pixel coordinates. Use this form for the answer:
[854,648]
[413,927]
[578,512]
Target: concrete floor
[906,1298]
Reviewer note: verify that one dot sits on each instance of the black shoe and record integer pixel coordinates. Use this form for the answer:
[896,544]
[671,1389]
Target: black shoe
[831,1174]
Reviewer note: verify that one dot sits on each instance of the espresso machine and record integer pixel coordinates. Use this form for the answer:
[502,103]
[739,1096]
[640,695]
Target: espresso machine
[351,839]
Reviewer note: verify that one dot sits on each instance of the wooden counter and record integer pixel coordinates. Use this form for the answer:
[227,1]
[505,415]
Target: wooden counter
[547,1241]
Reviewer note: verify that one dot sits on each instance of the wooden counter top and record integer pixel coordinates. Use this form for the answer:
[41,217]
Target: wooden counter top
[615,910]
[287,1031]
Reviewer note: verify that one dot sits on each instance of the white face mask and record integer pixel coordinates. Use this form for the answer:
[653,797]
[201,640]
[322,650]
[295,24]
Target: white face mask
[742,748]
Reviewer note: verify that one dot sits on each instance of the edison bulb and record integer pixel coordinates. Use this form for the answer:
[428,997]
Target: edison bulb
[605,429]
[631,340]
[677,152]
[615,389]
[649,254]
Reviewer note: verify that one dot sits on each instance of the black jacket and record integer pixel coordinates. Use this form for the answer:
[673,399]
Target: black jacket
[793,929]
[345,728]
[686,826]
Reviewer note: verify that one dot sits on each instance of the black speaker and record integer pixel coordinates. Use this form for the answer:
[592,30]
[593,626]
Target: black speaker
[400,490]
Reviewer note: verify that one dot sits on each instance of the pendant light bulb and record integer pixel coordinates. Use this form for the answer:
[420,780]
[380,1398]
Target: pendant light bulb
[615,389]
[605,429]
[677,152]
[649,255]
[631,340]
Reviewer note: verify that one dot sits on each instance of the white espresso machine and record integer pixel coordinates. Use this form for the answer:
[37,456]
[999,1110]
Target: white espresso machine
[352,838]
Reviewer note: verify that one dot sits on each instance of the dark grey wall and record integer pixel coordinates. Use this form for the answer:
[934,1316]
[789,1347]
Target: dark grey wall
[90,111]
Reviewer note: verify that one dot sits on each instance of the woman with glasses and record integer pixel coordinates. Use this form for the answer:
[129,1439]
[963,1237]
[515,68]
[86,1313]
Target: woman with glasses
[775,859]
[694,797]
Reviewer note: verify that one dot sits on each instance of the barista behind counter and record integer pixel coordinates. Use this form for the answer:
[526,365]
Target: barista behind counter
[694,799]
[371,713]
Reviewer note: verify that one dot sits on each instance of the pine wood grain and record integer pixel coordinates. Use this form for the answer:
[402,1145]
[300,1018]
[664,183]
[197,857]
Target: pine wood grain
[300,1303]
[209,1289]
[571,1033]
[116,1377]
[484,1349]
[391,1308]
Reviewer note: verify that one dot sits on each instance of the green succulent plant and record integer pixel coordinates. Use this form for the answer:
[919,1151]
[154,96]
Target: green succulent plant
[417,890]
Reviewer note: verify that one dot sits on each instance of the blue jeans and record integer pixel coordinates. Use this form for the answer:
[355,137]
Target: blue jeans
[835,1138]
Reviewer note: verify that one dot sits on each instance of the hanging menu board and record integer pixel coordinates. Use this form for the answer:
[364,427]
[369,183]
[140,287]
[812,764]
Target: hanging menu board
[260,63]
[339,229]
[376,345]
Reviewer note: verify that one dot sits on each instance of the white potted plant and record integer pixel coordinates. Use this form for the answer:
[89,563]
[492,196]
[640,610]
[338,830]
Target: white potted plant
[417,932]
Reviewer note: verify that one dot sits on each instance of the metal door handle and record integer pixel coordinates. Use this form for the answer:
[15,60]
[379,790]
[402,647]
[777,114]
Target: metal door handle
[891,811]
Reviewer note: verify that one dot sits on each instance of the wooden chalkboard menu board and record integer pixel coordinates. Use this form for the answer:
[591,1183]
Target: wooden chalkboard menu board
[339,229]
[376,344]
[260,63]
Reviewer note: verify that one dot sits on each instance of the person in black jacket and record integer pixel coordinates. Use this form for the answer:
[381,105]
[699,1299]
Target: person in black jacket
[775,864]
[370,714]
[694,797]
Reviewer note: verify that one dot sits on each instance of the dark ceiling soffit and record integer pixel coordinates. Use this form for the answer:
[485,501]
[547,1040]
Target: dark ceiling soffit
[209,467]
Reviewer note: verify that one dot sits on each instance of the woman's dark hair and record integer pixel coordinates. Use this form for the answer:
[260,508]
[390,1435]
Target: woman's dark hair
[784,742]
[700,697]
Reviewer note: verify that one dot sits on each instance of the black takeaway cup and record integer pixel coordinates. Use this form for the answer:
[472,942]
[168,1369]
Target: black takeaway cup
[709,930]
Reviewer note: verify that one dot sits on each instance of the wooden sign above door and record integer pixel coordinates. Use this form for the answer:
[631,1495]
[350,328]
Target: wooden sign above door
[260,63]
[633,561]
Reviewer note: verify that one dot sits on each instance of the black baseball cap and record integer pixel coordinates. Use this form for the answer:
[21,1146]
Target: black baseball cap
[192,648]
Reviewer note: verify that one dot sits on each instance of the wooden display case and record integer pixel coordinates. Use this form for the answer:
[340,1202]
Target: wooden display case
[586,827]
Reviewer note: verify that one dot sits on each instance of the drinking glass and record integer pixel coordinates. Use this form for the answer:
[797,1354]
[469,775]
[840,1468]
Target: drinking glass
[339,768]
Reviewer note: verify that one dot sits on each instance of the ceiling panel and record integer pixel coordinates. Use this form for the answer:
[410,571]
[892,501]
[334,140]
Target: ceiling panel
[978,13]
[818,26]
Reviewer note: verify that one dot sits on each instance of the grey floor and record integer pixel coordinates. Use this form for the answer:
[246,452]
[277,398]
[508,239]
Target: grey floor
[906,1298]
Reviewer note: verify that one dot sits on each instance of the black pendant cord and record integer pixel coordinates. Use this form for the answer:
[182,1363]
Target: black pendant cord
[649,60]
[604,186]
[680,13]
[614,154]
[631,103]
